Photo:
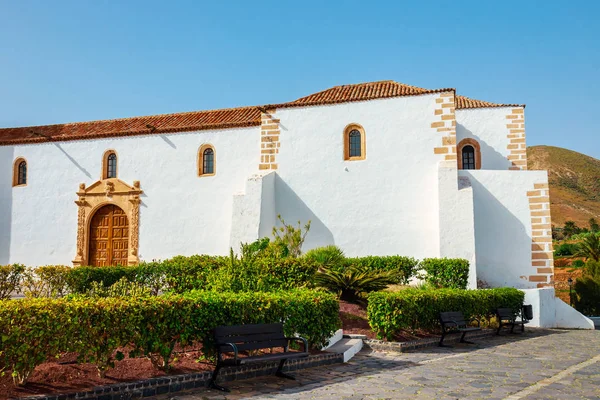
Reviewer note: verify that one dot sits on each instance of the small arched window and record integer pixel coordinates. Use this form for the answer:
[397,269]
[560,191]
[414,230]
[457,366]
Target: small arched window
[20,172]
[109,165]
[354,143]
[469,154]
[206,160]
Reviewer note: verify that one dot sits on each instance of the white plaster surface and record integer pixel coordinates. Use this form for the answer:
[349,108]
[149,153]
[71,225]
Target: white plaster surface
[488,127]
[180,213]
[503,225]
[457,225]
[551,312]
[385,204]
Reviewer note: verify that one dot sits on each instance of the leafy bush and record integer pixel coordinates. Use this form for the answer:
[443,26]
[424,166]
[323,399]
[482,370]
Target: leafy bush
[96,328]
[353,283]
[10,279]
[290,238]
[80,278]
[587,295]
[565,249]
[390,312]
[589,247]
[121,288]
[46,281]
[577,264]
[328,256]
[451,273]
[401,268]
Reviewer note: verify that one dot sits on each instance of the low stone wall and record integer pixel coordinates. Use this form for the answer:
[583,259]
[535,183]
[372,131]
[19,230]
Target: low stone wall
[400,347]
[176,383]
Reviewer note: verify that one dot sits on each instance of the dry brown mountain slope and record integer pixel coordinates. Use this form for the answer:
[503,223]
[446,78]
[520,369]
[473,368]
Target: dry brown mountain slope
[574,183]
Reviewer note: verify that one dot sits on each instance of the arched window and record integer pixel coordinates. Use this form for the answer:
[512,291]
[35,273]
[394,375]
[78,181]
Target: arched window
[354,143]
[20,172]
[206,160]
[469,154]
[109,165]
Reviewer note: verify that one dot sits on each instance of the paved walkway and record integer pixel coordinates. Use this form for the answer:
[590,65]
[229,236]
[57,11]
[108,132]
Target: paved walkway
[541,364]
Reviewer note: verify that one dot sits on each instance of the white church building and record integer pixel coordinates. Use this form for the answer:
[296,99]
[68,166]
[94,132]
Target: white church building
[379,168]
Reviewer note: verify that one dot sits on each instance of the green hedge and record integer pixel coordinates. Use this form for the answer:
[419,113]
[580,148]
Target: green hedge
[34,330]
[451,273]
[403,267]
[390,312]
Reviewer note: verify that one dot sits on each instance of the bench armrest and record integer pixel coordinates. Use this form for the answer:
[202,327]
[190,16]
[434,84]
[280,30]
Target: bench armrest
[298,339]
[233,346]
[478,321]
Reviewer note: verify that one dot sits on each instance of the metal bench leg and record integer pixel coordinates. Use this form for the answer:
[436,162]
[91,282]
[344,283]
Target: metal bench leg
[212,384]
[441,344]
[462,339]
[280,373]
[499,328]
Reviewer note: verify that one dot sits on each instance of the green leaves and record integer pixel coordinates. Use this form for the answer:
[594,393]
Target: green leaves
[33,330]
[452,273]
[411,309]
[354,282]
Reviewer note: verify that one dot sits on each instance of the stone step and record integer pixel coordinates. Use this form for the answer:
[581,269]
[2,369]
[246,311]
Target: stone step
[354,336]
[337,336]
[348,347]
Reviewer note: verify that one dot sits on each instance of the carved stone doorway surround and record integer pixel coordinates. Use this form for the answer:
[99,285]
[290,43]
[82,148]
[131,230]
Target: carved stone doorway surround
[107,191]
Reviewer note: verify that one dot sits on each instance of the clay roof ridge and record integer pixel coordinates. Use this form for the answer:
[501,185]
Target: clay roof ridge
[464,102]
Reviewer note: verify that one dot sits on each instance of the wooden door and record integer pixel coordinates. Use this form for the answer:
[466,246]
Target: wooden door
[109,237]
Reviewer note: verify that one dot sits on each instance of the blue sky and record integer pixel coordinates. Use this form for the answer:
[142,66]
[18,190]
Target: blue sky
[64,61]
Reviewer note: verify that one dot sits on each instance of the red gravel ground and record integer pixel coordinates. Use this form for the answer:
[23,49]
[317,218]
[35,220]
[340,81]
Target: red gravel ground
[354,320]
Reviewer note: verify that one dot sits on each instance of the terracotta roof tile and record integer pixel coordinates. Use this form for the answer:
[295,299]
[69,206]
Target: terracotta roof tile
[463,102]
[360,92]
[166,123]
[219,119]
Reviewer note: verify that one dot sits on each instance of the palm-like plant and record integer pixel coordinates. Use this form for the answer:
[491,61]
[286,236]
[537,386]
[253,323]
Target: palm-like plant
[589,247]
[352,283]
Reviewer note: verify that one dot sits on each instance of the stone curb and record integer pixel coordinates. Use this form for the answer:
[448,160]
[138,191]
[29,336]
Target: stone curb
[176,383]
[401,347]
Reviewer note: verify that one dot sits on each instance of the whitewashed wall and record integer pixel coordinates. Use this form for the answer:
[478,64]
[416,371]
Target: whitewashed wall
[180,213]
[6,164]
[385,204]
[503,225]
[488,127]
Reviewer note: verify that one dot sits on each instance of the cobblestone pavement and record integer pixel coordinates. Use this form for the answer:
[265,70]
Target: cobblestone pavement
[540,364]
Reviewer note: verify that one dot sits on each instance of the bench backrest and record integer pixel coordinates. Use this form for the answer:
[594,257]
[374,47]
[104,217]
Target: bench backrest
[250,337]
[505,313]
[451,317]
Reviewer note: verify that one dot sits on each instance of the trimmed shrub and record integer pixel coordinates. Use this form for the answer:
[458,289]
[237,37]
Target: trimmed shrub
[353,283]
[80,278]
[402,268]
[451,273]
[565,249]
[391,312]
[46,281]
[10,279]
[33,330]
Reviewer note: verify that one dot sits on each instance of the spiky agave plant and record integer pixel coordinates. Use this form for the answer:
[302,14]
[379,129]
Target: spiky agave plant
[353,283]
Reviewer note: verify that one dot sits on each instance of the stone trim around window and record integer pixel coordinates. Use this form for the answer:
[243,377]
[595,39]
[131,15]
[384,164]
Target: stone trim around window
[476,146]
[15,178]
[363,142]
[200,161]
[104,174]
[104,192]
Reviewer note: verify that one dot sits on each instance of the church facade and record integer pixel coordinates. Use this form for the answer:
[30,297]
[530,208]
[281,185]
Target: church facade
[378,168]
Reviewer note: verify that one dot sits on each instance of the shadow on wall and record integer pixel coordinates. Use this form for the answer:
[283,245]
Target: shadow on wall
[502,245]
[490,158]
[292,209]
[6,166]
[75,163]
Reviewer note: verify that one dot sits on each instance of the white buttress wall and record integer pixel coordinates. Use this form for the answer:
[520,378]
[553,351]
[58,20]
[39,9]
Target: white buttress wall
[385,204]
[488,126]
[6,171]
[181,213]
[503,226]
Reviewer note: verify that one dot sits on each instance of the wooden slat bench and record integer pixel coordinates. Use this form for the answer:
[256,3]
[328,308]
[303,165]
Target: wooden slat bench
[454,322]
[240,339]
[506,316]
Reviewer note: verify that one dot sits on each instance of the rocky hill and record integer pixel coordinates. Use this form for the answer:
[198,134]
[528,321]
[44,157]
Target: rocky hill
[574,183]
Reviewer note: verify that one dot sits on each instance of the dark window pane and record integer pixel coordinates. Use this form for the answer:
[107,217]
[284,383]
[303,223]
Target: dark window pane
[468,157]
[354,142]
[208,162]
[111,166]
[22,173]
